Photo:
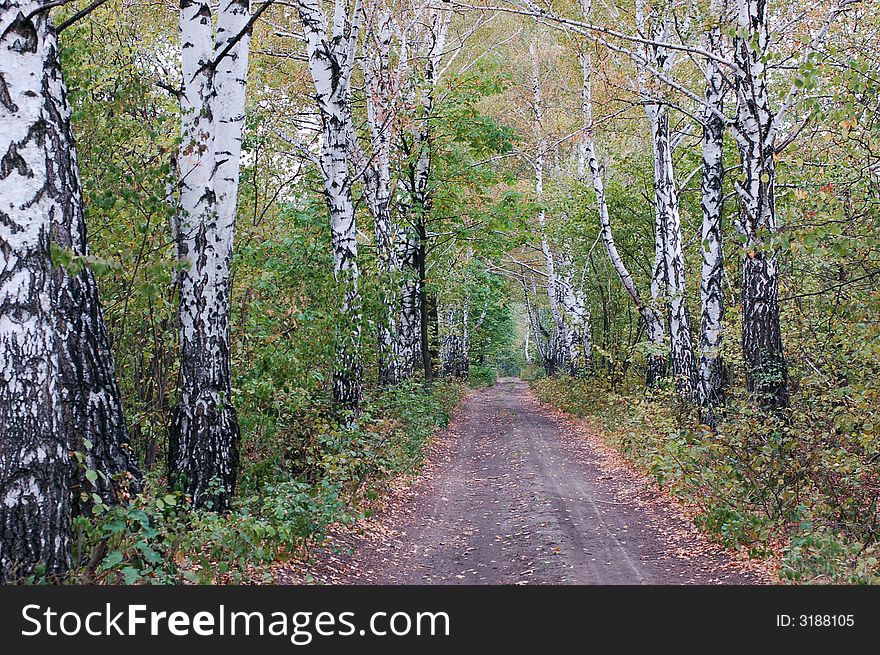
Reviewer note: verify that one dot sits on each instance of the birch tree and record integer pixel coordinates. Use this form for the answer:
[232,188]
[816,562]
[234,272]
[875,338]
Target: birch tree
[203,449]
[35,504]
[710,376]
[561,346]
[454,347]
[381,84]
[331,51]
[426,46]
[668,280]
[577,319]
[656,361]
[92,414]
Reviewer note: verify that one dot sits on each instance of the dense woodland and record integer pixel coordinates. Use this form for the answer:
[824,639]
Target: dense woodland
[251,255]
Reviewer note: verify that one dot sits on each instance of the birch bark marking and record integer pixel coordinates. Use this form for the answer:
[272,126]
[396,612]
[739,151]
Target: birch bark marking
[577,318]
[766,372]
[203,450]
[710,379]
[331,59]
[427,45]
[393,351]
[668,281]
[560,336]
[656,361]
[92,415]
[35,508]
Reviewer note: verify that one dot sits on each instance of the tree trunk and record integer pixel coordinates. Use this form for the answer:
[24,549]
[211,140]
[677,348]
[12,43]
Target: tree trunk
[92,415]
[670,240]
[424,309]
[577,319]
[668,281]
[331,60]
[35,503]
[203,449]
[454,354]
[561,338]
[410,329]
[710,385]
[426,44]
[393,349]
[766,372]
[656,361]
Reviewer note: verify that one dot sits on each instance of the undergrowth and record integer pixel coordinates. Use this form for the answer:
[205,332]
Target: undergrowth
[803,486]
[316,471]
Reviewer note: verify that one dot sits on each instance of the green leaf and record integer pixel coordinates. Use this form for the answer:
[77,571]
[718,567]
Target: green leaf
[112,559]
[130,575]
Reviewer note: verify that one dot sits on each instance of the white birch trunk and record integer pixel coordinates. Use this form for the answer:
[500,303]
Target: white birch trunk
[426,46]
[91,404]
[766,372]
[656,362]
[203,450]
[381,114]
[576,316]
[668,281]
[35,508]
[710,384]
[561,336]
[331,60]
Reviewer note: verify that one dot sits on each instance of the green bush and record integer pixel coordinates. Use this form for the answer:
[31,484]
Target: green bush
[482,376]
[791,484]
[322,474]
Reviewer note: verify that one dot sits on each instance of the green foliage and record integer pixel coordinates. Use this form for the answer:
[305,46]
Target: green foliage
[158,539]
[482,375]
[796,486]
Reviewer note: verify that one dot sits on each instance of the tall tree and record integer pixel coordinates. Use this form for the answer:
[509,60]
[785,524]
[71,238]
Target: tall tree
[35,503]
[331,54]
[561,345]
[382,86]
[656,360]
[755,134]
[203,448]
[668,280]
[710,375]
[426,45]
[92,413]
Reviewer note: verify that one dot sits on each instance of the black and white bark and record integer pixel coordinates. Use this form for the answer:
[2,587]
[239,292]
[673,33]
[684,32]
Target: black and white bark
[204,441]
[92,414]
[455,340]
[668,281]
[576,316]
[331,52]
[756,127]
[710,375]
[755,134]
[562,343]
[534,322]
[35,469]
[425,45]
[656,360]
[395,357]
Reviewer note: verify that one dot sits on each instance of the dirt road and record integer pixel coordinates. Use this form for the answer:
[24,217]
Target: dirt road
[514,493]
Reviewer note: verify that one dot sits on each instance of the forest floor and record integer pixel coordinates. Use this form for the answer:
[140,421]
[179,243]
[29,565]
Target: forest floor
[515,492]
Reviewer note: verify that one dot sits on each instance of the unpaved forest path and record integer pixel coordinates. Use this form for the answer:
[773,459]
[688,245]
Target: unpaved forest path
[515,493]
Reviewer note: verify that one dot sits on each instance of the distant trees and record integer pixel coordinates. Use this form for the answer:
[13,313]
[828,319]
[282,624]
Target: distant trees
[734,56]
